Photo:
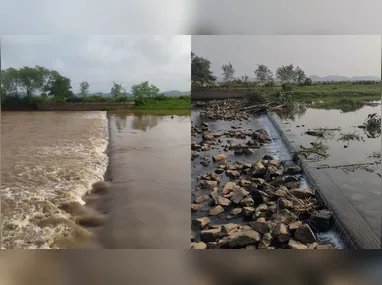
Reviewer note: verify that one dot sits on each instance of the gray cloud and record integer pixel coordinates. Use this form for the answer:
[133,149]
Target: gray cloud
[317,55]
[100,60]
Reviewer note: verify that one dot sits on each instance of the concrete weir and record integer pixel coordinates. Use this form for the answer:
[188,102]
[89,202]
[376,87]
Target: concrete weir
[355,232]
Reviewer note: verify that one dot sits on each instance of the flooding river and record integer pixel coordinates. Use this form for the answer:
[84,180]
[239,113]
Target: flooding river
[51,158]
[47,159]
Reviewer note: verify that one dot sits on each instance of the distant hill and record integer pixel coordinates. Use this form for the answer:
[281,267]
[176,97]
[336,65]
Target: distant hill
[342,78]
[176,93]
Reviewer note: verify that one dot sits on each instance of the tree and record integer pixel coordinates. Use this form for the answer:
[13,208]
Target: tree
[263,73]
[117,90]
[84,88]
[58,85]
[200,70]
[145,90]
[10,82]
[228,72]
[300,76]
[245,78]
[286,73]
[30,79]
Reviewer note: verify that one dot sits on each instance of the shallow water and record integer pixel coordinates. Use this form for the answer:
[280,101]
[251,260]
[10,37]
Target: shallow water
[47,158]
[361,186]
[275,148]
[150,170]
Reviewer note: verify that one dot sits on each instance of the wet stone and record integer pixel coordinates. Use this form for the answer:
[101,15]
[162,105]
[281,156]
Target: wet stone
[216,211]
[304,234]
[321,220]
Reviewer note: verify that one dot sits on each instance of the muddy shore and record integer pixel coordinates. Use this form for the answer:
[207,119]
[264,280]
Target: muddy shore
[243,196]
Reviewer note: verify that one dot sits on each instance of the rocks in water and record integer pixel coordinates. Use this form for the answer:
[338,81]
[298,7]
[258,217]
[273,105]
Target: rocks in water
[304,234]
[216,211]
[321,220]
[280,233]
[198,245]
[200,223]
[262,205]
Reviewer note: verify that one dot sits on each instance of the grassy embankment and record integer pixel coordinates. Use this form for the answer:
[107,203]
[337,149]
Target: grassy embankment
[333,96]
[157,103]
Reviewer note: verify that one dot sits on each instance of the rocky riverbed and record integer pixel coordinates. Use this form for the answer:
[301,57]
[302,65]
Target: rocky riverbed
[239,203]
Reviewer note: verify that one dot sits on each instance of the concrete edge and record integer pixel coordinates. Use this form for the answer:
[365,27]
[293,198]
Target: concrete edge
[347,221]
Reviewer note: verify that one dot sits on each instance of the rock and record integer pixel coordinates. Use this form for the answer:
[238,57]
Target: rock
[241,239]
[236,211]
[216,211]
[302,193]
[198,245]
[294,226]
[219,157]
[205,163]
[291,178]
[304,234]
[275,162]
[285,216]
[258,181]
[195,207]
[100,187]
[261,135]
[280,233]
[200,223]
[238,194]
[247,202]
[265,242]
[292,244]
[248,151]
[228,187]
[233,173]
[284,203]
[207,184]
[321,220]
[313,245]
[324,246]
[238,151]
[292,185]
[248,211]
[219,170]
[220,200]
[256,196]
[229,227]
[280,193]
[213,245]
[262,207]
[260,226]
[202,199]
[258,165]
[244,183]
[212,235]
[293,169]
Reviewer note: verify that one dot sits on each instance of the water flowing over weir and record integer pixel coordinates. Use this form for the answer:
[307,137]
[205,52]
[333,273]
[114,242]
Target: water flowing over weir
[49,159]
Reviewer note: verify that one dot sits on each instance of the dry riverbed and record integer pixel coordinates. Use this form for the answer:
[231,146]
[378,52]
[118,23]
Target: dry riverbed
[239,203]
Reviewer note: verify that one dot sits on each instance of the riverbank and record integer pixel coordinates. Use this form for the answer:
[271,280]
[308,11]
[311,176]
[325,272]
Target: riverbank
[316,92]
[96,103]
[246,194]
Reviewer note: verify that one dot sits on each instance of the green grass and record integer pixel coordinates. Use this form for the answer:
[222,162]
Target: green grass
[331,91]
[170,103]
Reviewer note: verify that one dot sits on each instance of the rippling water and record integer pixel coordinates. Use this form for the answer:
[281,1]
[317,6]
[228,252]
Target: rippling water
[47,158]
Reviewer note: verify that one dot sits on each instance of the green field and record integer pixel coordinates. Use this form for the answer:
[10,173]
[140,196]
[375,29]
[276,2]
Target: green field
[170,103]
[330,91]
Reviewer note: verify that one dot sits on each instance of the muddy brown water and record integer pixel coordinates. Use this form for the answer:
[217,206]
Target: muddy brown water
[47,159]
[150,170]
[52,158]
[361,186]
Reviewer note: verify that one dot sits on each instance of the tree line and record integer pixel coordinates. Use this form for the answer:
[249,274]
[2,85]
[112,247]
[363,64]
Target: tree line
[289,74]
[29,81]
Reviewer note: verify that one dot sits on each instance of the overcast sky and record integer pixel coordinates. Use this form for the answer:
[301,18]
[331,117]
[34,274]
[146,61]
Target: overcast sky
[316,55]
[100,60]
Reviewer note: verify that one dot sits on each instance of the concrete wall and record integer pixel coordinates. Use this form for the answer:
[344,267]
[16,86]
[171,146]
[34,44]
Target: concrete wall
[88,106]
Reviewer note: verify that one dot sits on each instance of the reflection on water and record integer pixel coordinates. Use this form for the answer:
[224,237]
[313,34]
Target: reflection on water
[149,163]
[351,164]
